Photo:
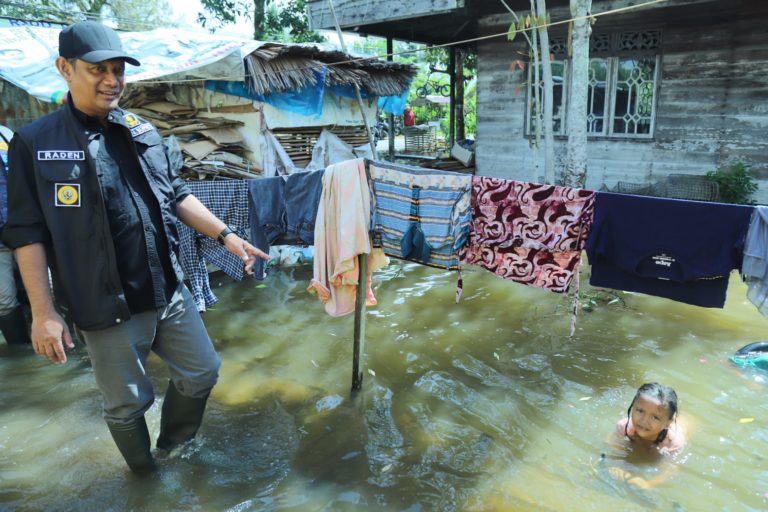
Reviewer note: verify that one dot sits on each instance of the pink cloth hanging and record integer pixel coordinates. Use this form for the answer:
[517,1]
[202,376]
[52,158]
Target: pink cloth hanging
[528,233]
[341,234]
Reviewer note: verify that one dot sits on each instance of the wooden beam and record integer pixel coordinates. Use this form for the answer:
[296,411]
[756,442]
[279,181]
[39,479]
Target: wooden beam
[354,13]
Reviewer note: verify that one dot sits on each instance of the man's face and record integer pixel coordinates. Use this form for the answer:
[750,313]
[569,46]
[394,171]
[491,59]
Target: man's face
[96,88]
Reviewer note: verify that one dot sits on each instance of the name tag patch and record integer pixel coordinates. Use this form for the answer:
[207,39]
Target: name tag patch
[60,154]
[67,194]
[142,128]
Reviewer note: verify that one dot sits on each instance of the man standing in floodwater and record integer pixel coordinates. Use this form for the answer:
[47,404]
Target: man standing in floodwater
[93,196]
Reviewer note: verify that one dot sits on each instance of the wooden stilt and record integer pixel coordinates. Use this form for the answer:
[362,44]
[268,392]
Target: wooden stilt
[391,117]
[359,336]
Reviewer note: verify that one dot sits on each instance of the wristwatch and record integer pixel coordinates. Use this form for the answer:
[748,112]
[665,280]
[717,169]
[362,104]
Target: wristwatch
[224,232]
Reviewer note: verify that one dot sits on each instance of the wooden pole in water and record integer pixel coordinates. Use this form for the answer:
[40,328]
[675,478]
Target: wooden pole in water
[362,278]
[359,336]
[391,116]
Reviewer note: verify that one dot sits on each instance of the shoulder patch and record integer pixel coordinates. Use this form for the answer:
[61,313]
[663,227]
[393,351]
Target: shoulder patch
[131,120]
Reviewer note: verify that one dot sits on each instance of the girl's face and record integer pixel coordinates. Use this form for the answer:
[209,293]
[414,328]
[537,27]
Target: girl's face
[649,417]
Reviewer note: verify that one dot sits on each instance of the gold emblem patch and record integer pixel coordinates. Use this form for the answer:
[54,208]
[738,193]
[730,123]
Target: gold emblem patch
[130,120]
[67,194]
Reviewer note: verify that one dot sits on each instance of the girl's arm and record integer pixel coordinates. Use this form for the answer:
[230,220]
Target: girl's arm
[667,469]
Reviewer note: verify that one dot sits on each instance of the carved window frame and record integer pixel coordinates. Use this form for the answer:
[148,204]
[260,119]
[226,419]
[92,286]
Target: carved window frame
[612,49]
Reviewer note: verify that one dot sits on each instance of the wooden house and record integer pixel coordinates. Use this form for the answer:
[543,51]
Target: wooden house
[676,86]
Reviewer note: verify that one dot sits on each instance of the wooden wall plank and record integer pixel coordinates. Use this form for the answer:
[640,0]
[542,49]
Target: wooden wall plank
[352,13]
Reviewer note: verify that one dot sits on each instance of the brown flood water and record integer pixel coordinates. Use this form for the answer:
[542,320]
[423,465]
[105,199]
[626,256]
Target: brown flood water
[484,405]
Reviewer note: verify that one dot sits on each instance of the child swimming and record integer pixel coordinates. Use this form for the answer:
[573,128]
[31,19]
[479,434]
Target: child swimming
[652,420]
[651,426]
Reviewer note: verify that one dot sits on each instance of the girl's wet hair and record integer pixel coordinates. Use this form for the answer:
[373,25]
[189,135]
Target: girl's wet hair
[665,395]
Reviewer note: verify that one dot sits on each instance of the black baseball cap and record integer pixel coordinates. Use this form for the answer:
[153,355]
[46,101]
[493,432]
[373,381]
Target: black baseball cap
[92,42]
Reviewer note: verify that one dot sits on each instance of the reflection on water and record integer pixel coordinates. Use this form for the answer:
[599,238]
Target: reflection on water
[485,405]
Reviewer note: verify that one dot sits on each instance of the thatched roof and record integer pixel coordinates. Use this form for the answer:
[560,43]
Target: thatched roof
[275,67]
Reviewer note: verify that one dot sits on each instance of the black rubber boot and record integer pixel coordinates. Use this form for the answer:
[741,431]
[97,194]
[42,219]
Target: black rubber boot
[14,327]
[180,419]
[134,443]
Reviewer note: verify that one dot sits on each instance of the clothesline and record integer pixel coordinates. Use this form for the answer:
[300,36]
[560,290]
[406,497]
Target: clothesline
[359,213]
[625,226]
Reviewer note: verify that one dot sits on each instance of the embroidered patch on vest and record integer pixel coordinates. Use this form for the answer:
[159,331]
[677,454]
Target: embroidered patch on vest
[130,120]
[67,194]
[60,154]
[142,128]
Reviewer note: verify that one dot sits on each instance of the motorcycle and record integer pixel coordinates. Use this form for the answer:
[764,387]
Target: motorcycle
[381,130]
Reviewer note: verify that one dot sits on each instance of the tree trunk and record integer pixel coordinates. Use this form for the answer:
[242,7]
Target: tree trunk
[546,68]
[576,166]
[460,131]
[259,13]
[536,99]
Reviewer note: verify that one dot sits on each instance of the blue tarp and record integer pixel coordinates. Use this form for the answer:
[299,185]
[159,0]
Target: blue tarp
[347,91]
[395,104]
[307,101]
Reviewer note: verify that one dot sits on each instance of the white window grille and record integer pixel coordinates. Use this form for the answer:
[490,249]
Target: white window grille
[623,84]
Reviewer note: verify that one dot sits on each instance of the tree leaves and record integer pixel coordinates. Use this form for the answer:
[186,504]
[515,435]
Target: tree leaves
[512,32]
[530,22]
[273,21]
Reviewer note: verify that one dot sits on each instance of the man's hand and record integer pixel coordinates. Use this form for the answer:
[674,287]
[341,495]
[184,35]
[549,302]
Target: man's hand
[244,250]
[49,336]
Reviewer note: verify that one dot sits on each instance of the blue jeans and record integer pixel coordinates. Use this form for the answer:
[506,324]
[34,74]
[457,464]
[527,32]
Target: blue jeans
[284,207]
[8,301]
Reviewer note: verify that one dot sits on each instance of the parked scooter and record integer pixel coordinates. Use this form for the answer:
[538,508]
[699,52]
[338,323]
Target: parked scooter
[382,126]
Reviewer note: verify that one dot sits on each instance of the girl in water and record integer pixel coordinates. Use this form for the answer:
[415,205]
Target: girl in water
[650,431]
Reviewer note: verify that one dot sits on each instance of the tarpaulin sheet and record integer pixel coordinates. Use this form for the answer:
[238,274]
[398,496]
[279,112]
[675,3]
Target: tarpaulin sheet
[395,104]
[389,104]
[348,91]
[28,54]
[307,101]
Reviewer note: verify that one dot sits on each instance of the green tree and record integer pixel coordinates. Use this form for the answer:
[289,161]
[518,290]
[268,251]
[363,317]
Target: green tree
[273,20]
[140,15]
[127,14]
[470,110]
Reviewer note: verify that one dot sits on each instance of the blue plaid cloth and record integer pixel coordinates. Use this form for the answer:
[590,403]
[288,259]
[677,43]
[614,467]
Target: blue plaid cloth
[420,215]
[227,199]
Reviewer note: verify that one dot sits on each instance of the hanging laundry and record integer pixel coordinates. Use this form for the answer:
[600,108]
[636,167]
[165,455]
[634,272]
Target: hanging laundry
[228,200]
[672,248]
[754,269]
[283,208]
[528,233]
[420,215]
[341,234]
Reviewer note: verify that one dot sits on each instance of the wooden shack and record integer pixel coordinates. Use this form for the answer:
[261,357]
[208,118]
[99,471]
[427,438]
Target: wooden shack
[229,115]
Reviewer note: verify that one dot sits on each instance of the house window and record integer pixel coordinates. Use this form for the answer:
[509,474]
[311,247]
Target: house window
[622,87]
[558,110]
